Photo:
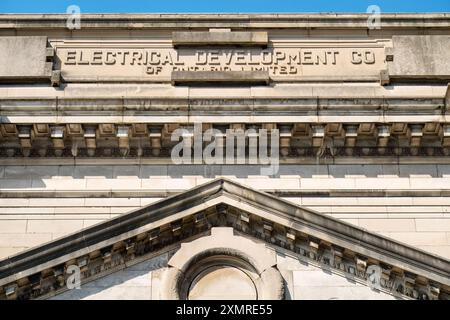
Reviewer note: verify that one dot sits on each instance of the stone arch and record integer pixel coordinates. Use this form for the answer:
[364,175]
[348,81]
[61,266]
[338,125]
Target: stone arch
[223,248]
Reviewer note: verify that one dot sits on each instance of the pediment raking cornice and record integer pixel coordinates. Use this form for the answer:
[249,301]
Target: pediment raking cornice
[221,202]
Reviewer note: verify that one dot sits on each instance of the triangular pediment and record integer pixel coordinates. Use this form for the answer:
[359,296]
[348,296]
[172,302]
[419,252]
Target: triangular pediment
[329,242]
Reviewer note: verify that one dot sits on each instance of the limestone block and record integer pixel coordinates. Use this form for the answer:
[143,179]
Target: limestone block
[23,239]
[382,183]
[430,183]
[387,224]
[13,226]
[433,224]
[391,170]
[202,92]
[14,202]
[27,210]
[429,170]
[89,222]
[107,293]
[116,202]
[115,184]
[339,293]
[443,251]
[179,171]
[73,216]
[444,201]
[9,251]
[123,278]
[191,77]
[363,210]
[82,210]
[262,183]
[59,184]
[318,278]
[317,284]
[223,237]
[354,216]
[24,58]
[351,221]
[151,264]
[240,171]
[419,238]
[168,183]
[323,209]
[304,171]
[15,183]
[294,200]
[416,215]
[420,56]
[54,226]
[290,263]
[122,210]
[342,171]
[147,171]
[220,38]
[443,170]
[157,283]
[342,90]
[323,183]
[395,201]
[80,172]
[125,171]
[415,209]
[41,172]
[147,201]
[56,202]
[59,235]
[133,282]
[336,201]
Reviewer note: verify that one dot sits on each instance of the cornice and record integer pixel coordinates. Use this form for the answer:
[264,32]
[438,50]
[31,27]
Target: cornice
[235,21]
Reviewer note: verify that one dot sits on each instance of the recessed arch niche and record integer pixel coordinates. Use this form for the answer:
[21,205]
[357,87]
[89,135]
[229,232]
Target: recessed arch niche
[222,266]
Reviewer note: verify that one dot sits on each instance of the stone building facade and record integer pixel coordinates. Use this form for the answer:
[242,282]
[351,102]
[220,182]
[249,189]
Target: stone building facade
[357,208]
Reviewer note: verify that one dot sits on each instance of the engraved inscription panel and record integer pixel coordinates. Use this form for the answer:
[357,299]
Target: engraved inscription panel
[297,61]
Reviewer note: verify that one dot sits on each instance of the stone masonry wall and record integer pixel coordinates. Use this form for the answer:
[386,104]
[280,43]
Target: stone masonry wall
[404,202]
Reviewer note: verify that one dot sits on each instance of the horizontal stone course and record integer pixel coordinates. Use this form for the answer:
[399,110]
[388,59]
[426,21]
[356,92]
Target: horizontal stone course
[219,38]
[54,226]
[24,58]
[388,224]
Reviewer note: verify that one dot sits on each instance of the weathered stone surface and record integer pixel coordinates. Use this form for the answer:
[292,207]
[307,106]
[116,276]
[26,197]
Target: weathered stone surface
[24,58]
[132,283]
[220,38]
[418,56]
[209,77]
[328,85]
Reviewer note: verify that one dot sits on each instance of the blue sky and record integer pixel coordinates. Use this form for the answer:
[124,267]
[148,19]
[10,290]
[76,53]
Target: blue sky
[210,6]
